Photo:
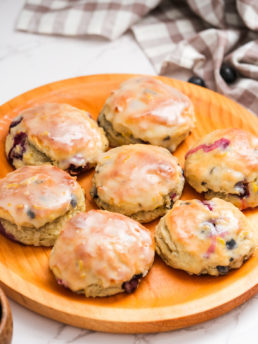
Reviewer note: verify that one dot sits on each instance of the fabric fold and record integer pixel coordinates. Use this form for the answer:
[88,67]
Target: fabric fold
[193,36]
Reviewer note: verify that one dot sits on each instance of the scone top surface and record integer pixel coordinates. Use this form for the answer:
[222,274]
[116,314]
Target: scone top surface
[151,110]
[64,133]
[138,177]
[226,161]
[35,195]
[204,236]
[98,251]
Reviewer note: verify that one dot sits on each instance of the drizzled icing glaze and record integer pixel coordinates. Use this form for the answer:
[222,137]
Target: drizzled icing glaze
[200,240]
[238,148]
[64,133]
[151,109]
[204,232]
[101,247]
[225,162]
[136,174]
[34,195]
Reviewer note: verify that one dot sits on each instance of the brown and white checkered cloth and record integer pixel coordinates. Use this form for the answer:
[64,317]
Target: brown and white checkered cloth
[176,35]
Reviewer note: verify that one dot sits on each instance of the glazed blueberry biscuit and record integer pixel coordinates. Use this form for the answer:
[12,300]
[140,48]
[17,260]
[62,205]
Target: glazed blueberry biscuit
[100,253]
[58,134]
[209,237]
[224,164]
[36,201]
[146,110]
[140,181]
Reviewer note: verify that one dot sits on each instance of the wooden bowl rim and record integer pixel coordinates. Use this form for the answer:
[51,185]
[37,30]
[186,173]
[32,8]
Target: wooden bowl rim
[5,311]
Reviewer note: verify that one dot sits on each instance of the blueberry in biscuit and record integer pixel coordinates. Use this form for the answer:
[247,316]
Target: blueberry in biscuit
[36,201]
[209,237]
[224,164]
[58,134]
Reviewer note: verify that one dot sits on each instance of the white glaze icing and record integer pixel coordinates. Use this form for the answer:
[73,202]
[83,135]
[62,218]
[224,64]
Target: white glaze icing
[203,232]
[101,246]
[220,169]
[150,109]
[137,174]
[64,133]
[34,195]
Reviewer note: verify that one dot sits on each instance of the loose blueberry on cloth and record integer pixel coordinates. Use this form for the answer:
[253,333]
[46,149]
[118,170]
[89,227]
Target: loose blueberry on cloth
[181,36]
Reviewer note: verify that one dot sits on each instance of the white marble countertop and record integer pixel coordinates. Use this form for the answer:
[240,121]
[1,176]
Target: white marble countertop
[28,61]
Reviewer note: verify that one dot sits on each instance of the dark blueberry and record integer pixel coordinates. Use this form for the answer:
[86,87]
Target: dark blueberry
[242,189]
[130,286]
[94,193]
[18,140]
[213,221]
[231,259]
[138,276]
[230,244]
[142,141]
[15,123]
[197,81]
[203,183]
[223,270]
[166,138]
[73,201]
[172,197]
[228,73]
[75,170]
[31,214]
[170,206]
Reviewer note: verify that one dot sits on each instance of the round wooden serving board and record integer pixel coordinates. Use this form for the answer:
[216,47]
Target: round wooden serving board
[167,298]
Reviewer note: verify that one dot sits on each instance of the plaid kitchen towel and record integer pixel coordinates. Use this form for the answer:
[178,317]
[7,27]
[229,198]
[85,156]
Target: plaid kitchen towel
[177,35]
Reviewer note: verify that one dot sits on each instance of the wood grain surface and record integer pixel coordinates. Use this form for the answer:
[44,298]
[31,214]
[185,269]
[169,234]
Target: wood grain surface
[167,298]
[6,320]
